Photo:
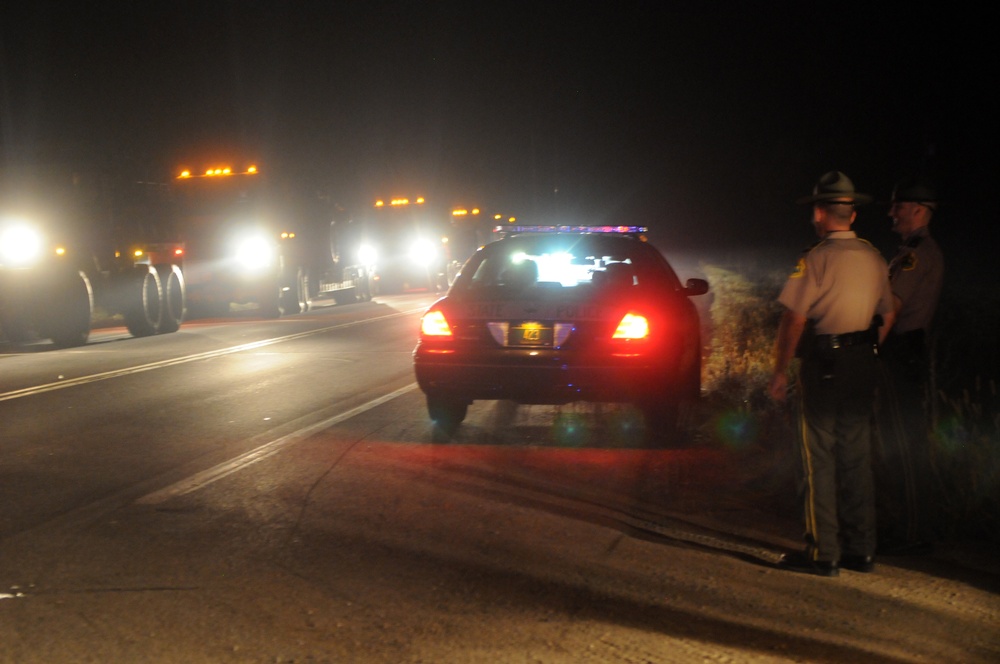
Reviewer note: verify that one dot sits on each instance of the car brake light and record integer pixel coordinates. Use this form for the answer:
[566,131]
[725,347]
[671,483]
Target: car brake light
[632,326]
[434,324]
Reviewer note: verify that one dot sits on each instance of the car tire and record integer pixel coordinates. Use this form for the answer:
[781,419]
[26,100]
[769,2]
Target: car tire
[446,411]
[662,422]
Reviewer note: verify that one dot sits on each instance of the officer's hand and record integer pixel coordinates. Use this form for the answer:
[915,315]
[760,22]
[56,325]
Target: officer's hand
[778,388]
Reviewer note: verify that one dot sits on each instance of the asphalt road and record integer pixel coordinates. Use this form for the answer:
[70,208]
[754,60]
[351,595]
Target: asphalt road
[272,491]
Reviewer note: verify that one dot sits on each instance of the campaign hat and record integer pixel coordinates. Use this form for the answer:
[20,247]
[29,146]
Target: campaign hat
[914,190]
[835,187]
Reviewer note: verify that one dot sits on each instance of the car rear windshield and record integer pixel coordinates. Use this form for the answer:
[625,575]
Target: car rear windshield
[563,262]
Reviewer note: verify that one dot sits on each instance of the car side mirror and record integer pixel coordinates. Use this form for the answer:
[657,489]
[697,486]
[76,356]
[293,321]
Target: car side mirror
[695,287]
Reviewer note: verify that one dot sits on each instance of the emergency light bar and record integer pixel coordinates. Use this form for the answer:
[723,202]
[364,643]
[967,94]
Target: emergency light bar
[216,172]
[621,230]
[399,202]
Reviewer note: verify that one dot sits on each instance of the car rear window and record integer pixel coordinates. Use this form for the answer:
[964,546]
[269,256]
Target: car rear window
[565,262]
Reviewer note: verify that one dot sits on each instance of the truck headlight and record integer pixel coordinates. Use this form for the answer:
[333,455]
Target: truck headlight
[367,254]
[422,252]
[20,246]
[255,253]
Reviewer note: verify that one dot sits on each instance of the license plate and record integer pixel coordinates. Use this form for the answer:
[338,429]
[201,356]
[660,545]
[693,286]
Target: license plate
[530,334]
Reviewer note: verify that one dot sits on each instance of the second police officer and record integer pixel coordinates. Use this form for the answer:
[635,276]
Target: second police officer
[906,516]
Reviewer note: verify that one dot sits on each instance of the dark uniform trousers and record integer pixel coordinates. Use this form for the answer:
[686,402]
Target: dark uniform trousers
[903,473]
[837,389]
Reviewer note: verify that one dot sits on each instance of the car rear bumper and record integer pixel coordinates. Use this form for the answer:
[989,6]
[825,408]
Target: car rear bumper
[546,378]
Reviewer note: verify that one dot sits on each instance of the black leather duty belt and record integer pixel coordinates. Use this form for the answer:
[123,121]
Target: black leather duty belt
[834,341]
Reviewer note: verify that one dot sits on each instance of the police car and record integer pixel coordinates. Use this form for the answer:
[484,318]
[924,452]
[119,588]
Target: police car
[556,314]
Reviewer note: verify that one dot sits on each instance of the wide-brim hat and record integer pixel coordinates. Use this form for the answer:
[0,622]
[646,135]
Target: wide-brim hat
[914,190]
[837,187]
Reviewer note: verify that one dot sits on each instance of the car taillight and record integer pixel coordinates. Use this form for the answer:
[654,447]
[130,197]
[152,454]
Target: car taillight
[632,326]
[434,324]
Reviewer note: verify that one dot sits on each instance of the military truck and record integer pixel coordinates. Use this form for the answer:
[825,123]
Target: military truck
[77,245]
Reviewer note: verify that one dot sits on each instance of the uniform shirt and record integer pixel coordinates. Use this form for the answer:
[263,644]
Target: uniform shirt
[916,274]
[839,284]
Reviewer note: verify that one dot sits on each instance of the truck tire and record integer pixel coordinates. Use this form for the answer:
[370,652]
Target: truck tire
[15,328]
[295,299]
[346,296]
[72,306]
[142,301]
[174,306]
[269,302]
[305,300]
[364,287]
[390,284]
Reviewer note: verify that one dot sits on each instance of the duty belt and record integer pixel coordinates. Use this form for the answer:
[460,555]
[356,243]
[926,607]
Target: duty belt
[834,341]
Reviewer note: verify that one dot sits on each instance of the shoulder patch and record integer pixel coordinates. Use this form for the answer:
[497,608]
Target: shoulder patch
[800,269]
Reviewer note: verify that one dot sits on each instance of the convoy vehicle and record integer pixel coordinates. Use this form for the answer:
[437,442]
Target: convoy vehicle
[556,314]
[470,229]
[248,239]
[403,241]
[75,242]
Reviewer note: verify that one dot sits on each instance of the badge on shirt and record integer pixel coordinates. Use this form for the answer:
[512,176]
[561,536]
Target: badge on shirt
[910,262]
[800,269]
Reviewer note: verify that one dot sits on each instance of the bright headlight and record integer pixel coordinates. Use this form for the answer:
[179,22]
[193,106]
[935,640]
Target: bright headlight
[422,252]
[255,253]
[20,245]
[367,254]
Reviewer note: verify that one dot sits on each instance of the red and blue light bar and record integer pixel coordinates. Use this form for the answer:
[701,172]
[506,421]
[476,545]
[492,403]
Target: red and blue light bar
[620,230]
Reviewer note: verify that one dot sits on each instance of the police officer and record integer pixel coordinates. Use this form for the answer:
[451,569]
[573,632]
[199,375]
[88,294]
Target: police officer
[902,453]
[832,303]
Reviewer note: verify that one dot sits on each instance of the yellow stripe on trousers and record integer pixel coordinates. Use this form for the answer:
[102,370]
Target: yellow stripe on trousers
[807,467]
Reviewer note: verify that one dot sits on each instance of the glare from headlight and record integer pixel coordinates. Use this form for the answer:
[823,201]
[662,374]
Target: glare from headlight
[367,254]
[422,252]
[20,246]
[255,253]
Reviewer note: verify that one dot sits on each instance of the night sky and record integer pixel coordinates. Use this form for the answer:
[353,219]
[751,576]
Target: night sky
[703,123]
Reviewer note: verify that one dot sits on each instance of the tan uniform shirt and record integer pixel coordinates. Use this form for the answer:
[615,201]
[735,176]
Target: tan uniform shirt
[916,274]
[839,284]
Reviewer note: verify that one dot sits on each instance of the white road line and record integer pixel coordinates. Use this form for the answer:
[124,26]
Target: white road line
[206,477]
[93,378]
